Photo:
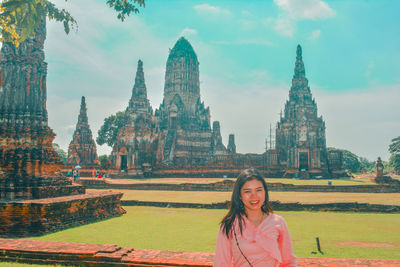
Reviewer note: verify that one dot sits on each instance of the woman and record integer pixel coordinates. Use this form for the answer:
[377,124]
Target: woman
[251,234]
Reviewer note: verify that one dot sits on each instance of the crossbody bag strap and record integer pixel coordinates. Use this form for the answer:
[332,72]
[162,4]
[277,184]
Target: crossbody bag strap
[237,243]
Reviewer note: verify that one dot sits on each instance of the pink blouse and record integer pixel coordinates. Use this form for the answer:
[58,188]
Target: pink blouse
[268,245]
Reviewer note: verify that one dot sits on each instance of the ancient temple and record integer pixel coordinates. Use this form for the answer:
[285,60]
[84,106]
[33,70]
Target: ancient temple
[82,149]
[178,137]
[137,141]
[26,150]
[183,119]
[217,146]
[300,133]
[34,198]
[231,148]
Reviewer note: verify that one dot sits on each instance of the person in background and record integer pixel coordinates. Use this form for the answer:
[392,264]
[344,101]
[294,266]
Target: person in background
[251,234]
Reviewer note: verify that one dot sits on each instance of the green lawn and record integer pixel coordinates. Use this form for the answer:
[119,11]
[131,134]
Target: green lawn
[302,197]
[196,230]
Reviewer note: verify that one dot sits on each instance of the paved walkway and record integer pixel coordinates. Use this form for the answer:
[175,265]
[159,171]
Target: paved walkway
[43,252]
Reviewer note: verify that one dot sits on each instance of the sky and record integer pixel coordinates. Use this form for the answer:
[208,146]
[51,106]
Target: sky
[246,50]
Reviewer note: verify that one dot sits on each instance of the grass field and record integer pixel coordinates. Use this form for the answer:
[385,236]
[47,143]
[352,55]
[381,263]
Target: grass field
[196,230]
[344,181]
[302,197]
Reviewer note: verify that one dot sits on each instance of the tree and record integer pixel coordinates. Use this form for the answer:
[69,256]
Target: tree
[104,161]
[109,130]
[369,166]
[394,149]
[351,161]
[60,152]
[20,18]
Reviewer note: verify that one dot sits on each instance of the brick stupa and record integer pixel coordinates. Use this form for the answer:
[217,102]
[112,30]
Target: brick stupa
[34,198]
[82,149]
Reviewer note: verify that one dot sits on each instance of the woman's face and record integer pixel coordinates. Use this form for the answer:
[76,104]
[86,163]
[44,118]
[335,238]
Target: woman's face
[253,195]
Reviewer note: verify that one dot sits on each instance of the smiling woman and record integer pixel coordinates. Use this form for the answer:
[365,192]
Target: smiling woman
[251,234]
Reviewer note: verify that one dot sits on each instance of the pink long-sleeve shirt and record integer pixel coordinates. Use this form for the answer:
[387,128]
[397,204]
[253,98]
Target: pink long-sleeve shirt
[268,245]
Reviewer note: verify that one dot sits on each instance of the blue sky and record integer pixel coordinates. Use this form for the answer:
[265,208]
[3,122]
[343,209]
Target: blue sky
[246,51]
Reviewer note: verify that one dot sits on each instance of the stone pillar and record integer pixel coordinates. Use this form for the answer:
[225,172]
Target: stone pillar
[379,168]
[26,150]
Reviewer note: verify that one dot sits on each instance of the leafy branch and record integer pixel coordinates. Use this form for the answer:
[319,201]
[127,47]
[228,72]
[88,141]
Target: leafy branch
[20,18]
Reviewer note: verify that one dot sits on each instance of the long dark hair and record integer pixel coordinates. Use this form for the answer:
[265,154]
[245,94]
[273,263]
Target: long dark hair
[236,206]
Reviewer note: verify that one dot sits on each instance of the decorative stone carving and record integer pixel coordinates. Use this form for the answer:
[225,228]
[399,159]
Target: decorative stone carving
[231,145]
[136,145]
[26,152]
[300,133]
[31,188]
[82,149]
[183,119]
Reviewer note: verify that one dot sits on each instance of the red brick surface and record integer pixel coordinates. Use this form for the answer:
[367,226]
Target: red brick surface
[113,255]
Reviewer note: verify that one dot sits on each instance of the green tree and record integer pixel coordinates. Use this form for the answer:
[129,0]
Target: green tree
[351,161]
[104,161]
[20,18]
[60,152]
[109,130]
[369,166]
[394,149]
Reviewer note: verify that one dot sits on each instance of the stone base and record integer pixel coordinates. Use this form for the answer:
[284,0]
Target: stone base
[79,254]
[36,217]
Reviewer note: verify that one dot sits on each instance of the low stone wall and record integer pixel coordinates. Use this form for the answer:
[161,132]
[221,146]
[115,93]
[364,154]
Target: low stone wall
[79,254]
[276,205]
[227,186]
[36,217]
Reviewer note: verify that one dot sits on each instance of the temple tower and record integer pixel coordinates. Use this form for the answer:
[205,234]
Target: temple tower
[26,150]
[217,146]
[231,145]
[137,141]
[28,163]
[82,149]
[300,133]
[183,120]
[182,77]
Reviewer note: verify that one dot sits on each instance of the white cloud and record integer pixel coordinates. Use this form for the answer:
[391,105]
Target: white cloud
[294,10]
[246,24]
[306,9]
[245,42]
[214,11]
[284,26]
[187,32]
[315,35]
[361,121]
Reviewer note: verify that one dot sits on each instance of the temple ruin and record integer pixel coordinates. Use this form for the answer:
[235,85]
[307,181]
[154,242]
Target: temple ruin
[34,198]
[179,132]
[178,137]
[82,149]
[300,141]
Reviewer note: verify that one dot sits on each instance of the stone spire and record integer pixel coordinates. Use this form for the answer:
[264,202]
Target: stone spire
[217,146]
[300,134]
[182,77]
[139,89]
[26,149]
[231,145]
[299,82]
[82,149]
[299,70]
[139,102]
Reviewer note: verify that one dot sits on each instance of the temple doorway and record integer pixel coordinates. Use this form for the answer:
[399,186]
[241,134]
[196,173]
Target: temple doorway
[124,162]
[303,161]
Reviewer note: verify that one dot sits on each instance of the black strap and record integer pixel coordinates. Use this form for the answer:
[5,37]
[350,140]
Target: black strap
[237,243]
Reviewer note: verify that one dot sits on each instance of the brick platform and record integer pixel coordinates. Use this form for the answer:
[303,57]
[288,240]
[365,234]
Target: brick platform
[79,254]
[39,216]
